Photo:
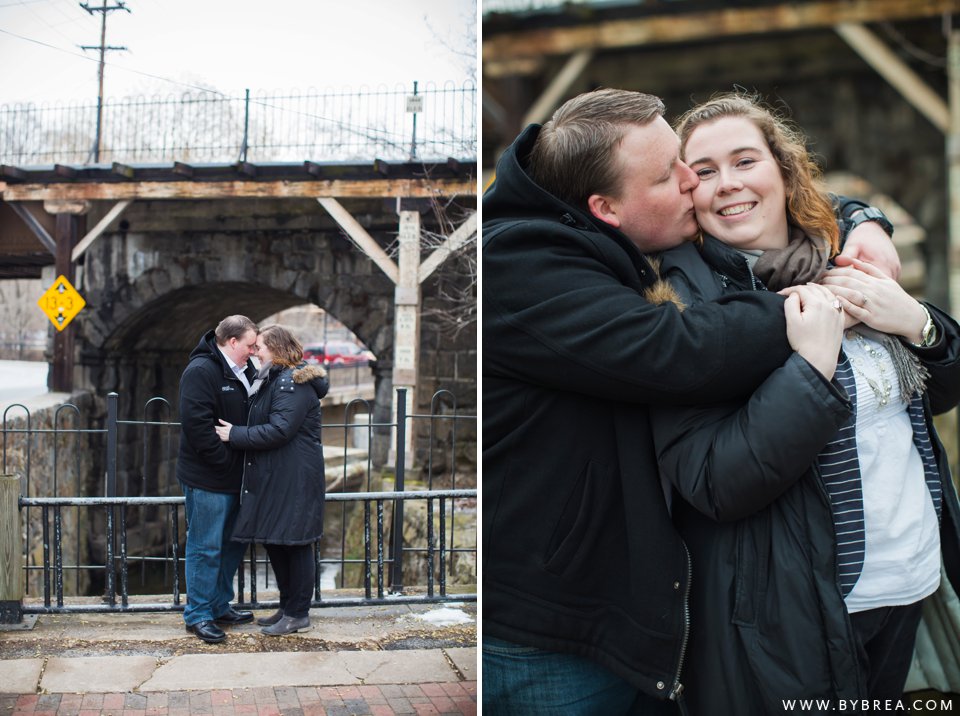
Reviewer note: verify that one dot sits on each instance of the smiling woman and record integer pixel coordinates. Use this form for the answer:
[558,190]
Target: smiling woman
[741,194]
[814,507]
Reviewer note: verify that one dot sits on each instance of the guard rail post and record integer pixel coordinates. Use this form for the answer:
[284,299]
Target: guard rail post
[11,551]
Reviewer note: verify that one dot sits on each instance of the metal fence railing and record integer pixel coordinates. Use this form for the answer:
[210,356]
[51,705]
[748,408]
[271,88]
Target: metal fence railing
[375,559]
[101,508]
[341,125]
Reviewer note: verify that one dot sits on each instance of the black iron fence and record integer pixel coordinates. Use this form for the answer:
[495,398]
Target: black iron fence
[422,121]
[120,532]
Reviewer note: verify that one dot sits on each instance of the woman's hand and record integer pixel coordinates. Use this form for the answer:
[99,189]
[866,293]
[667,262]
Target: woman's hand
[223,430]
[872,297]
[815,324]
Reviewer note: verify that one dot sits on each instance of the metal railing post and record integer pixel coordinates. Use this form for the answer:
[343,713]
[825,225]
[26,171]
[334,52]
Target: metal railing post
[396,540]
[11,551]
[413,139]
[246,127]
[110,487]
[111,491]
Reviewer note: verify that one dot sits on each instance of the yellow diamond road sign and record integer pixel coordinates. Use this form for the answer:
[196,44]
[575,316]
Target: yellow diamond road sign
[61,303]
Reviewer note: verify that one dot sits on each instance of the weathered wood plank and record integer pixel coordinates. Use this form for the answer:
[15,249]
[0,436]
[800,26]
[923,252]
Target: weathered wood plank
[683,27]
[223,190]
[11,546]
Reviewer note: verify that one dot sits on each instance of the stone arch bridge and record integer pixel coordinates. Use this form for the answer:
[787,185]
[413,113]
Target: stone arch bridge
[160,254]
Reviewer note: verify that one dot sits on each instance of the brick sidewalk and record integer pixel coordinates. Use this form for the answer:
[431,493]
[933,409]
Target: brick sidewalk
[442,698]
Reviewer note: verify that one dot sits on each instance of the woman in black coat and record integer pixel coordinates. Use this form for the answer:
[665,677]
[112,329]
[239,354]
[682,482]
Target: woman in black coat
[282,496]
[816,513]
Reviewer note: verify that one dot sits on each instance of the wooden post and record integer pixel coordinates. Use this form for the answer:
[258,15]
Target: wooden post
[61,369]
[953,161]
[11,551]
[406,336]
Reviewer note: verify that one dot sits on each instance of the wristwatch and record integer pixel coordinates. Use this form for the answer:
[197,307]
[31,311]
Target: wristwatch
[868,213]
[928,336]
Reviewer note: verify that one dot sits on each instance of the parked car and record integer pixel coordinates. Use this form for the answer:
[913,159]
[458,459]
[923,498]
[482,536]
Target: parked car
[337,353]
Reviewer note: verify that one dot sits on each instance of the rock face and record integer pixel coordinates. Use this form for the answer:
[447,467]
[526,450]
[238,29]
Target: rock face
[53,460]
[175,268]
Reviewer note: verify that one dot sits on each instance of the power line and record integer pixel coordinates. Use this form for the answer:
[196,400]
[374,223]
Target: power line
[22,2]
[363,130]
[110,64]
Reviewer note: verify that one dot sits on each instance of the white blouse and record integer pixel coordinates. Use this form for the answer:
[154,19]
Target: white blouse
[902,551]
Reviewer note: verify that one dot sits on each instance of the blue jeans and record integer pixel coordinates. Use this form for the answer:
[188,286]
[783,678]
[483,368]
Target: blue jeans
[212,558]
[523,681]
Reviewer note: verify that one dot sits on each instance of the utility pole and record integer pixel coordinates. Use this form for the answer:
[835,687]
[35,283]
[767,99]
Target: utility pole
[103,47]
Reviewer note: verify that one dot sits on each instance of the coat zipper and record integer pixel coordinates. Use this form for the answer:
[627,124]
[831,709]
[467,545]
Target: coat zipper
[676,691]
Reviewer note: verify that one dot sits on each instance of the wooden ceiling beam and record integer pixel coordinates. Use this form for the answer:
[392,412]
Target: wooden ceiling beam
[509,47]
[895,71]
[558,88]
[117,191]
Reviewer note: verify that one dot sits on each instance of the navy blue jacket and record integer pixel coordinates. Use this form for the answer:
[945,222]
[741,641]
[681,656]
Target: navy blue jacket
[209,391]
[579,551]
[283,491]
[769,618]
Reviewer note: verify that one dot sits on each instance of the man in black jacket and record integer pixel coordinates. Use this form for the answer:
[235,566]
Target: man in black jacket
[585,580]
[215,385]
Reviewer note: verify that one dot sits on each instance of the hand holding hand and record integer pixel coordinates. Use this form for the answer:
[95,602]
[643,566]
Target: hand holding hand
[223,430]
[815,323]
[872,297]
[869,242]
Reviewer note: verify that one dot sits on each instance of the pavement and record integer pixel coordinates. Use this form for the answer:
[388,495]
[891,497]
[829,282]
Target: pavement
[372,660]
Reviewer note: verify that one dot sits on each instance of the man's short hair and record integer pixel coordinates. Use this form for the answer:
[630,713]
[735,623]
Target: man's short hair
[234,327]
[573,156]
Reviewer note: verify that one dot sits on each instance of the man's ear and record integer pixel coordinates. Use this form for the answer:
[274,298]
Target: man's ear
[602,208]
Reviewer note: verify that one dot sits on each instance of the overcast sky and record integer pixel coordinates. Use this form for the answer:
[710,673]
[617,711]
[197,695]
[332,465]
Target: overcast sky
[231,45]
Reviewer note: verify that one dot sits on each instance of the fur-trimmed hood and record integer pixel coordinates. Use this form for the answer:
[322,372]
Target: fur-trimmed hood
[306,372]
[661,291]
[313,375]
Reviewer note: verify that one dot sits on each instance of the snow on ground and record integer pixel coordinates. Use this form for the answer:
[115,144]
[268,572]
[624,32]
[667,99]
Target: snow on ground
[446,616]
[22,382]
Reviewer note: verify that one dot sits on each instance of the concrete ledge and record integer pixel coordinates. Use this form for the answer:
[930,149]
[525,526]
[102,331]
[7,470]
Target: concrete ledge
[193,672]
[348,668]
[96,674]
[20,676]
[465,659]
[151,652]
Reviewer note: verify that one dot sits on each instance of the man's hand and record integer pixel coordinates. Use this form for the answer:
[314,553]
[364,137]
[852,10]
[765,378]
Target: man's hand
[868,242]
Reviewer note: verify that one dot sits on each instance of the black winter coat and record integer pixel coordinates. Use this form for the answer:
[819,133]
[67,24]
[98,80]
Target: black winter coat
[209,391]
[579,552]
[769,620]
[283,481]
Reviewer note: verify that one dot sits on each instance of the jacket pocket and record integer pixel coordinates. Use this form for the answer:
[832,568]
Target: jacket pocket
[753,554]
[576,538]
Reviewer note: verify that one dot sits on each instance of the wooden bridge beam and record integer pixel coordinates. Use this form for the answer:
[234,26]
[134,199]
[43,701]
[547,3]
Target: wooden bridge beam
[119,191]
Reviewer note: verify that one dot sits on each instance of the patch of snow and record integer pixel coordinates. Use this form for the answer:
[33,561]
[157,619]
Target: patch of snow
[445,616]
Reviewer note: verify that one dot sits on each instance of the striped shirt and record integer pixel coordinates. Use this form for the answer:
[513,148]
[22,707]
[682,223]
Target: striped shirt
[840,465]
